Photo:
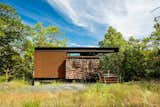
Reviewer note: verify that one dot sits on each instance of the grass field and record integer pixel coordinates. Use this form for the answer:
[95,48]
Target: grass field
[131,94]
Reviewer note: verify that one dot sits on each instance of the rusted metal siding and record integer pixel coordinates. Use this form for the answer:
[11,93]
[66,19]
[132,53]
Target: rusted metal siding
[49,64]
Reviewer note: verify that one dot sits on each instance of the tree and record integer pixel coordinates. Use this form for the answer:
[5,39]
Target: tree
[11,31]
[113,39]
[17,43]
[155,36]
[49,36]
[153,57]
[113,62]
[131,62]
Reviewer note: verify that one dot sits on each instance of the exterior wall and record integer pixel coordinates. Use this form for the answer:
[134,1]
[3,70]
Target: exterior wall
[81,67]
[49,64]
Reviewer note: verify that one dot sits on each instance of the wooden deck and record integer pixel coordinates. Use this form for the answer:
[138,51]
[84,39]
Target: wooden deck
[108,78]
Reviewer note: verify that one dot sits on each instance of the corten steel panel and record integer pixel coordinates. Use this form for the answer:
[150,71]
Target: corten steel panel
[49,64]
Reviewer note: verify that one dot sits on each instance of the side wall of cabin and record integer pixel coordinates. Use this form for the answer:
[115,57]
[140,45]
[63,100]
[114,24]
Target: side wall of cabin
[81,67]
[49,64]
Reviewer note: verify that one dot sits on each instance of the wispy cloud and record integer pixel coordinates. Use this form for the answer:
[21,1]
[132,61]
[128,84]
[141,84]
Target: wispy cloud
[41,16]
[73,44]
[131,17]
[36,15]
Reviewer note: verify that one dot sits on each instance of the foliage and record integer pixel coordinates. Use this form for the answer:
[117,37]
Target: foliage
[136,59]
[47,36]
[133,68]
[17,43]
[11,32]
[155,36]
[31,104]
[2,79]
[112,62]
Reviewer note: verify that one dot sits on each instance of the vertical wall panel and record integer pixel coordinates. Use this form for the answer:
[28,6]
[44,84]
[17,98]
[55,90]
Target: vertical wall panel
[49,64]
[81,67]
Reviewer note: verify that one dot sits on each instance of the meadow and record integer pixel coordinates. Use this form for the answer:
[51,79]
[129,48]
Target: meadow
[130,94]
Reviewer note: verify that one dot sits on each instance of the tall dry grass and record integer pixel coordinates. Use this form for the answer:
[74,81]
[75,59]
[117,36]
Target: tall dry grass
[132,94]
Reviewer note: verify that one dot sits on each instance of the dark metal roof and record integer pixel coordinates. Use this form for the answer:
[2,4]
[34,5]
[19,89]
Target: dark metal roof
[79,49]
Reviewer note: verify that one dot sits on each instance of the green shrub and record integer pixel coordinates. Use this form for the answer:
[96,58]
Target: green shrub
[34,103]
[2,79]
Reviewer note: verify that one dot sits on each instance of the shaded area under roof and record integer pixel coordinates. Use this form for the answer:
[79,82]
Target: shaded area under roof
[79,49]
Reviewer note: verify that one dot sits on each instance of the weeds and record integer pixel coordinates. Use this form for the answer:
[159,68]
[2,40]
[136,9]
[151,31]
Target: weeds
[132,94]
[34,103]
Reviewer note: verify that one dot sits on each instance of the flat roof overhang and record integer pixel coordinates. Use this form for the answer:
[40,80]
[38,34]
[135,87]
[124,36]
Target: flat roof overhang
[79,49]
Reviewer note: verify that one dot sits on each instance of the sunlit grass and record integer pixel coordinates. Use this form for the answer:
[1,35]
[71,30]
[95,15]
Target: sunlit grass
[132,94]
[6,86]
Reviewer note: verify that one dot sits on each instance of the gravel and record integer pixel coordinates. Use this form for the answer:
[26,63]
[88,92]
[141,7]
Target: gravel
[51,88]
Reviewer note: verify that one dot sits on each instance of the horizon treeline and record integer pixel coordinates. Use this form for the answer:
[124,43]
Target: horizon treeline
[137,59]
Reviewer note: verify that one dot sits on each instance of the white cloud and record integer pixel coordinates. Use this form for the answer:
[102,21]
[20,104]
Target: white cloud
[73,44]
[130,17]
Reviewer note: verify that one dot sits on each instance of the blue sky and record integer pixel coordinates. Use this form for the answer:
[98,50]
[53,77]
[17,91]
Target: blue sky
[84,22]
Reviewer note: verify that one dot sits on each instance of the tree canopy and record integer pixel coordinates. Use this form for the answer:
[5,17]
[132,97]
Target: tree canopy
[136,60]
[17,42]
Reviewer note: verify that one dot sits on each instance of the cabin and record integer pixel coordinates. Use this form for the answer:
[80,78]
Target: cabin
[70,63]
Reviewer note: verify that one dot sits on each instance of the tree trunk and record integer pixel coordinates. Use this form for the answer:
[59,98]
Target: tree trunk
[7,75]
